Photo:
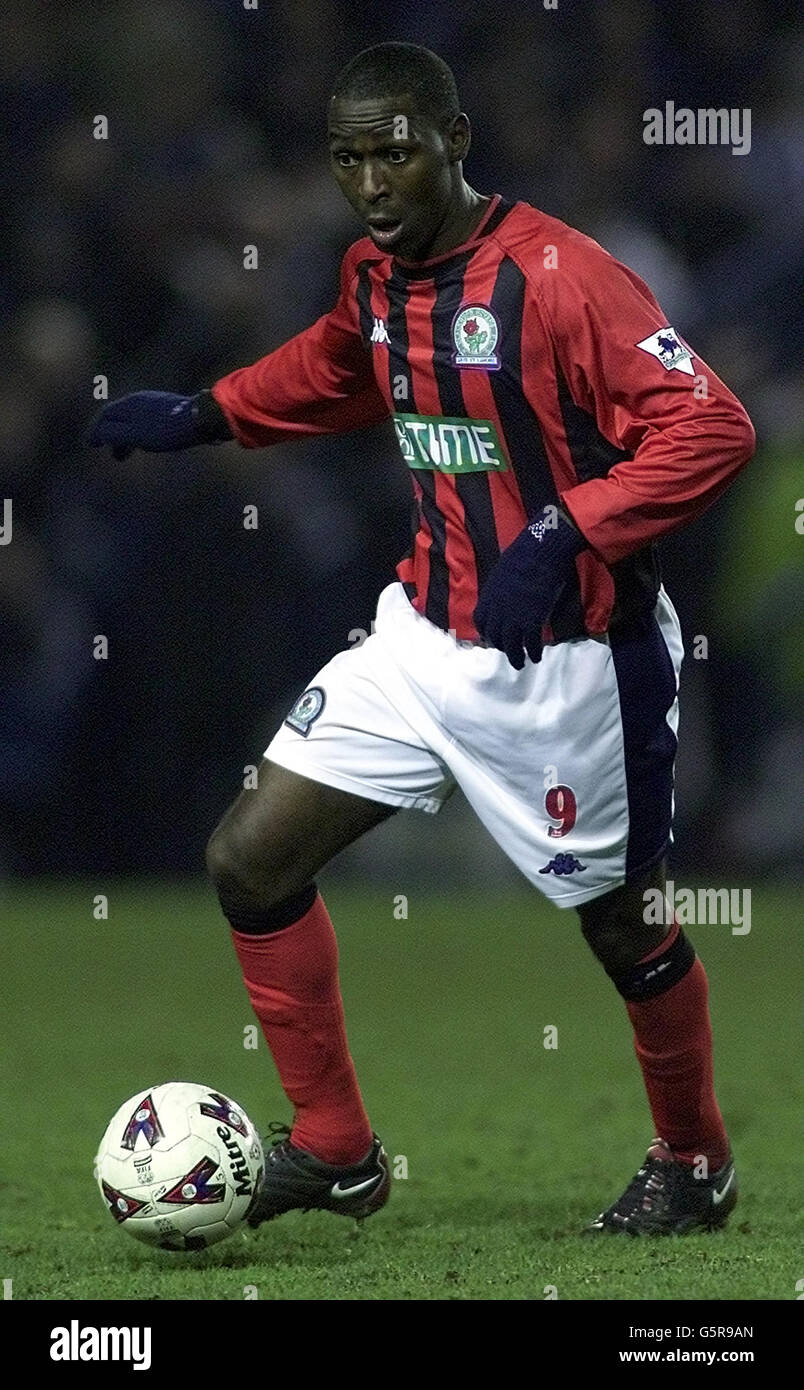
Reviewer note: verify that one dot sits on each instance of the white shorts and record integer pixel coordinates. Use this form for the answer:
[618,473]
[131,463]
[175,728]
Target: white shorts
[568,763]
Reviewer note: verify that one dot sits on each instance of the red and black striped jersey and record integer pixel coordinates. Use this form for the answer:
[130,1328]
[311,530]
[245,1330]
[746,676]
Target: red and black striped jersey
[524,368]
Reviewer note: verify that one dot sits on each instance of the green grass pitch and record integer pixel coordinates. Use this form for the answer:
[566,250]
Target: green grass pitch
[510,1147]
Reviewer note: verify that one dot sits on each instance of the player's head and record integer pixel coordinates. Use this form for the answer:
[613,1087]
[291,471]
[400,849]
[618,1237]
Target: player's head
[397,137]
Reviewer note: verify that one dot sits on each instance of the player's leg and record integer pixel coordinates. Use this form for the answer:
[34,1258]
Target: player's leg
[687,1181]
[569,763]
[614,924]
[263,858]
[277,836]
[343,760]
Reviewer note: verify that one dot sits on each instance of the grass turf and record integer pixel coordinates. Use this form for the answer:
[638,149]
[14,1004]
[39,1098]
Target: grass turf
[510,1147]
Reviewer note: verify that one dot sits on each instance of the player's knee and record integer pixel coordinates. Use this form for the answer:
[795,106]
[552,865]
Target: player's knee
[249,867]
[231,861]
[255,894]
[611,945]
[219,856]
[617,934]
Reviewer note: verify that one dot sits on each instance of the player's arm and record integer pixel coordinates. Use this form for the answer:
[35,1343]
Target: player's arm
[687,433]
[320,382]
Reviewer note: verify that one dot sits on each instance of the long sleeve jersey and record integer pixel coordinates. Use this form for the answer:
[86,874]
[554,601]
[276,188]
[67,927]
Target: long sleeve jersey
[527,367]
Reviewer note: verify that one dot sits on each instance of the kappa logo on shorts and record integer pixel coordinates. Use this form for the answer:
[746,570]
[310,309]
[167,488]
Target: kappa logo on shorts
[563,864]
[306,710]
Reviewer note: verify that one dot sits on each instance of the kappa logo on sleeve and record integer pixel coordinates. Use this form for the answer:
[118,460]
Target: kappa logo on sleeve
[671,353]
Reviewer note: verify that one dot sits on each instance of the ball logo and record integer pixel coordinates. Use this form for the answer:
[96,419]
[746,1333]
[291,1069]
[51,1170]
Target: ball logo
[197,1186]
[121,1207]
[237,1163]
[475,334]
[219,1108]
[145,1123]
[142,1167]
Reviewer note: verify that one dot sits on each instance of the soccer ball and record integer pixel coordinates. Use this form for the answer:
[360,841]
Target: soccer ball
[179,1165]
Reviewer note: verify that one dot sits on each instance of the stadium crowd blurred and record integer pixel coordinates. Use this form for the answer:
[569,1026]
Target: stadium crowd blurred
[124,257]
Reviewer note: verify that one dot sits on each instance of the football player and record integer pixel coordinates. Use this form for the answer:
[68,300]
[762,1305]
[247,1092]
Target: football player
[556,427]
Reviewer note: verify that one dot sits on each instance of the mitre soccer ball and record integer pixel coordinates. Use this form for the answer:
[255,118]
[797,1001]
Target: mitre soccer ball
[179,1165]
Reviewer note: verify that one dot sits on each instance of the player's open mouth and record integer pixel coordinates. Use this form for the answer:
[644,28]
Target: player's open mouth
[385,234]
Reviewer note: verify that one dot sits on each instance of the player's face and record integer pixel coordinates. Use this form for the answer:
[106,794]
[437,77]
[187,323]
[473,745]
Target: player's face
[396,169]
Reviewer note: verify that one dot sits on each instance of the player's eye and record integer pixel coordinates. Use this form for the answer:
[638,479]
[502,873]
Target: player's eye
[397,156]
[346,160]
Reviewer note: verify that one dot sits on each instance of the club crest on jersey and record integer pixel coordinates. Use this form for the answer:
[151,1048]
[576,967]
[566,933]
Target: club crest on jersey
[306,710]
[475,334]
[671,353]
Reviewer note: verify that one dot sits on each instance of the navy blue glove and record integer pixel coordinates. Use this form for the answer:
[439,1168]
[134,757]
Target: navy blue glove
[525,584]
[159,421]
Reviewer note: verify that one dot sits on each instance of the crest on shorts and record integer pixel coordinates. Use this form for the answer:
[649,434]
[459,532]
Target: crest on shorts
[306,710]
[475,334]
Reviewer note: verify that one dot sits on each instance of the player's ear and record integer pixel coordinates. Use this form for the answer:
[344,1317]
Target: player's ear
[459,138]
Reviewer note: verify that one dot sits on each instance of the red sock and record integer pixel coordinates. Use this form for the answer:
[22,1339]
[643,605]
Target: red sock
[673,1042]
[292,980]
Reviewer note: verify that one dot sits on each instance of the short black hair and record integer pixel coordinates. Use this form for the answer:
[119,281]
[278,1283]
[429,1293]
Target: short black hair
[394,69]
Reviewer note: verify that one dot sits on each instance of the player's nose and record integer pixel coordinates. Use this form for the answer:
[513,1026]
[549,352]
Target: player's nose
[373,181]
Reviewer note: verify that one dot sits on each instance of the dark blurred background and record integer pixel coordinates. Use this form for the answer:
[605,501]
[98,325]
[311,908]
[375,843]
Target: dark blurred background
[124,257]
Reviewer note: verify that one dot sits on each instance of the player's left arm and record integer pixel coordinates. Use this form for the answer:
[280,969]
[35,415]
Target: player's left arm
[649,394]
[686,434]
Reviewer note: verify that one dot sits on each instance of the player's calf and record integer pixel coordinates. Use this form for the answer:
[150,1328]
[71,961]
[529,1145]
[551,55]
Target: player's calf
[263,858]
[665,990]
